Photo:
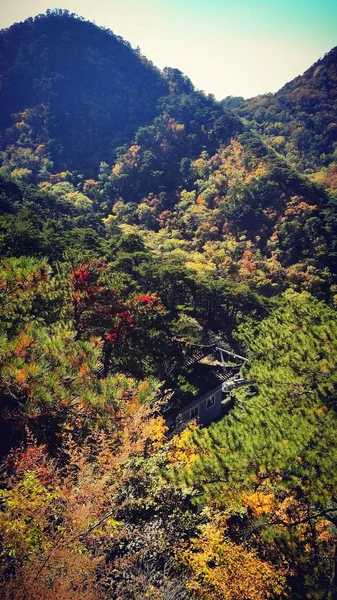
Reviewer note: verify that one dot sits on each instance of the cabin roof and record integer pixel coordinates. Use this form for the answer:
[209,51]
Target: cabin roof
[205,368]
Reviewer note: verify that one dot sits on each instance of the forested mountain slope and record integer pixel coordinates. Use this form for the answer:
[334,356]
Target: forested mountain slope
[300,120]
[83,90]
[141,219]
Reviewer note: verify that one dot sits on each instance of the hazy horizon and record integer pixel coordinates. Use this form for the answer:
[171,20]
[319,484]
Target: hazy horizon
[226,48]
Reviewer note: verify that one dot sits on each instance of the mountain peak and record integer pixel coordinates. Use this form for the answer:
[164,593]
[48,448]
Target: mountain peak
[97,89]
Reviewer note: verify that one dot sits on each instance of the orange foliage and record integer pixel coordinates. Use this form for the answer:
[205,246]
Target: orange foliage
[84,369]
[324,531]
[297,207]
[22,342]
[129,160]
[21,376]
[220,569]
[182,450]
[155,431]
[247,262]
[56,522]
[259,503]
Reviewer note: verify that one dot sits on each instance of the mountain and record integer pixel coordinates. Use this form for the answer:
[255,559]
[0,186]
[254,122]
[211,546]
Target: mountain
[72,93]
[142,225]
[78,88]
[300,120]
[189,167]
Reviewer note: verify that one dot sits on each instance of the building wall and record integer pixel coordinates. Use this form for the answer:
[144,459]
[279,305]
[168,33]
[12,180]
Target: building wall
[206,412]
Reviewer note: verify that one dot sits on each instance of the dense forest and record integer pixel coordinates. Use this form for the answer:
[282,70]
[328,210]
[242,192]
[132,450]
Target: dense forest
[300,121]
[139,219]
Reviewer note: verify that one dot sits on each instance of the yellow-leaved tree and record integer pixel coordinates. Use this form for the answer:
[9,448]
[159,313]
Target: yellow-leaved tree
[221,569]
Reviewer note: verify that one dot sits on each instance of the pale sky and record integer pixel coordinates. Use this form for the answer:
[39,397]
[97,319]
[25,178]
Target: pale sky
[226,47]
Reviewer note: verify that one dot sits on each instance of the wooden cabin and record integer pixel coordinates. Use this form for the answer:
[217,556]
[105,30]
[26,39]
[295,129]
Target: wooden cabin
[215,372]
[204,409]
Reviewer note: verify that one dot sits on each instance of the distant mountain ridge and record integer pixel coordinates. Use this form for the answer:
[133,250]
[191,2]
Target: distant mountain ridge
[300,120]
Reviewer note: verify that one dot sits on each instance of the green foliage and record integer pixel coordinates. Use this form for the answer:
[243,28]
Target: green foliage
[291,369]
[187,328]
[277,446]
[293,351]
[22,527]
